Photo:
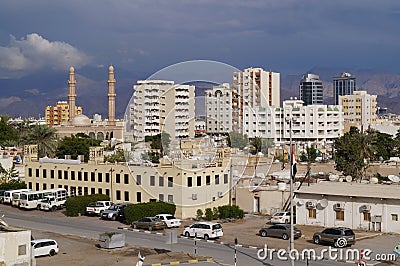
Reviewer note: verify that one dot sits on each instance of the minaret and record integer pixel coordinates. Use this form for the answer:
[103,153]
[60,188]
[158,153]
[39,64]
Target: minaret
[71,93]
[111,96]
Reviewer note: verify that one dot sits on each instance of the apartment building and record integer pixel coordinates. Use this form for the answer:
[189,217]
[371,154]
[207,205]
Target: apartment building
[253,88]
[190,184]
[161,105]
[345,84]
[59,114]
[311,90]
[359,110]
[219,109]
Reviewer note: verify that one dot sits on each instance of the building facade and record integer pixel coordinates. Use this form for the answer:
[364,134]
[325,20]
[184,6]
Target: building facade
[161,105]
[359,110]
[59,114]
[311,90]
[219,109]
[345,84]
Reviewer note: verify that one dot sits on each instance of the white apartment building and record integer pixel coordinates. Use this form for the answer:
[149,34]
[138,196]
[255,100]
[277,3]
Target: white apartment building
[358,206]
[161,105]
[359,109]
[253,88]
[219,109]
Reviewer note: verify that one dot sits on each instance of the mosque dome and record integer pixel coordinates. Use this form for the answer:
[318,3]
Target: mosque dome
[81,120]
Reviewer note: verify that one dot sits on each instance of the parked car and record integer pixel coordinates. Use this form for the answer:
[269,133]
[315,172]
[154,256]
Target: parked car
[337,236]
[151,223]
[280,230]
[115,212]
[205,230]
[169,220]
[44,247]
[96,208]
[281,218]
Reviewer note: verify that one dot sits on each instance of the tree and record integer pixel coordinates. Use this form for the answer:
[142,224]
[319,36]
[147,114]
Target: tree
[7,133]
[119,156]
[310,155]
[76,145]
[165,141]
[237,140]
[384,146]
[42,135]
[8,175]
[256,143]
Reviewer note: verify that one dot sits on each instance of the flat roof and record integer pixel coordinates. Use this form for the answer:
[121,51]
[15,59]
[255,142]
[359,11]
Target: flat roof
[352,189]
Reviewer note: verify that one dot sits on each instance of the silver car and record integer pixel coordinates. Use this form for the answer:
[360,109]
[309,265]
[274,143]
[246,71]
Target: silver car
[280,230]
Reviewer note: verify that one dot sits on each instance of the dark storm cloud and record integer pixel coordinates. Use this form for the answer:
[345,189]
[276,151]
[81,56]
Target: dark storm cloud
[148,35]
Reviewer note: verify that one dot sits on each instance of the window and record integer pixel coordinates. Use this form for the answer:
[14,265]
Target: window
[85,176]
[73,175]
[107,177]
[138,196]
[37,172]
[52,174]
[199,181]
[118,194]
[21,250]
[161,197]
[170,181]
[66,175]
[79,176]
[92,190]
[340,215]
[44,186]
[395,217]
[92,177]
[225,178]
[126,179]
[30,172]
[44,173]
[37,186]
[171,198]
[138,179]
[152,180]
[117,178]
[126,195]
[59,174]
[217,179]
[161,181]
[100,191]
[312,213]
[189,181]
[30,185]
[51,186]
[85,190]
[208,180]
[100,177]
[107,192]
[367,216]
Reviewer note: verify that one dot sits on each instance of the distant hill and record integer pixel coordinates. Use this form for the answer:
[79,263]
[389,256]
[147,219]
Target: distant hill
[30,95]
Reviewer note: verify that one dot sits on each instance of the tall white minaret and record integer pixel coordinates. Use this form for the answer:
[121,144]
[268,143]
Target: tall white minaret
[111,96]
[71,93]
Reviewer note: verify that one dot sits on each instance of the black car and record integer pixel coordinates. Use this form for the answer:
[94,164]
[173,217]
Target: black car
[280,230]
[338,236]
[115,212]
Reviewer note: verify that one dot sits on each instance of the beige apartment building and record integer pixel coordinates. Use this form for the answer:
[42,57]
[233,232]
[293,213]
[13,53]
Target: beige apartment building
[59,114]
[189,184]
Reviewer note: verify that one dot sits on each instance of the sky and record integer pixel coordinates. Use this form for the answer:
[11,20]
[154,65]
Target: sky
[144,36]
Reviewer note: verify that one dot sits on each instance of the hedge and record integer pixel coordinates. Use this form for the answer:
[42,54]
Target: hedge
[228,211]
[137,211]
[77,205]
[12,185]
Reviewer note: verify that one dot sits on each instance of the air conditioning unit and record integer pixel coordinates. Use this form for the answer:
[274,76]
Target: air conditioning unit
[339,206]
[220,194]
[194,196]
[311,204]
[365,208]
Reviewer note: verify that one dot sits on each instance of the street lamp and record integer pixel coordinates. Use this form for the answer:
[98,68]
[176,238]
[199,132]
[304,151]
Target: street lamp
[291,239]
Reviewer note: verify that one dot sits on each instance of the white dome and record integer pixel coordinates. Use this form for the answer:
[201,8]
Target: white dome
[81,120]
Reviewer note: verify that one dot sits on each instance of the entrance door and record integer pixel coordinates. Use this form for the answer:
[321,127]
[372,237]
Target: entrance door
[257,204]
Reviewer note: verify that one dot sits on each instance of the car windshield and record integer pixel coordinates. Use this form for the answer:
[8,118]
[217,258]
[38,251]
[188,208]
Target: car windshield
[113,207]
[92,204]
[170,217]
[156,219]
[279,214]
[216,226]
[348,232]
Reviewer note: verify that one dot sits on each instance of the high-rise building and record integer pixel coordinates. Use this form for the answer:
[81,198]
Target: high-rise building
[359,109]
[343,85]
[219,109]
[59,114]
[311,90]
[161,105]
[253,88]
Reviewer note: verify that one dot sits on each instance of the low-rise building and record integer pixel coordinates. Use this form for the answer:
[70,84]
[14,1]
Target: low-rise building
[354,205]
[15,246]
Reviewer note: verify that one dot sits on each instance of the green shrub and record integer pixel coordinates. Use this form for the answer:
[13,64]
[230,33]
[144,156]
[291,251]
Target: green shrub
[199,214]
[136,211]
[209,214]
[215,213]
[228,211]
[12,185]
[77,205]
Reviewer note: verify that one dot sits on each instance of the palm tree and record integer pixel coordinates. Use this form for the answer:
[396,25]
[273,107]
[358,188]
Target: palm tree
[45,137]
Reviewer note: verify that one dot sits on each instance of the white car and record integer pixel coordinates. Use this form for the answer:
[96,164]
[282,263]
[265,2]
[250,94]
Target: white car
[281,218]
[44,247]
[205,230]
[169,220]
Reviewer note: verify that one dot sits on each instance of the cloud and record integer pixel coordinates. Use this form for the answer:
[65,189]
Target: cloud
[33,91]
[34,53]
[4,102]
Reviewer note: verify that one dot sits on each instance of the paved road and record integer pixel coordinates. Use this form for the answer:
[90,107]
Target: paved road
[91,227]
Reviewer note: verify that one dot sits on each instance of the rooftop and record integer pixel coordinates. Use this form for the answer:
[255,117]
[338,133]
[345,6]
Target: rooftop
[352,189]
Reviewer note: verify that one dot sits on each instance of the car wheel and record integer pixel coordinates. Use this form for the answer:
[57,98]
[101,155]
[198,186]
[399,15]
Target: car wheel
[150,228]
[114,218]
[263,233]
[286,221]
[52,252]
[53,209]
[317,240]
[38,207]
[206,237]
[134,226]
[285,237]
[187,234]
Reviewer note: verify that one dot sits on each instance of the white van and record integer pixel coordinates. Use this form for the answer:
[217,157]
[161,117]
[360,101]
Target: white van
[44,247]
[205,230]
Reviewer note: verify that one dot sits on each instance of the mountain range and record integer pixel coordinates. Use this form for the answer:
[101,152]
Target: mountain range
[28,96]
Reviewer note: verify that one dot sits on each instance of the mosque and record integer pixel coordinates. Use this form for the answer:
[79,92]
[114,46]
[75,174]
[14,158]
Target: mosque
[96,128]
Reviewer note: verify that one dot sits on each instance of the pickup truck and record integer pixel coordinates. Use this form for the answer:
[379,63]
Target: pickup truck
[96,208]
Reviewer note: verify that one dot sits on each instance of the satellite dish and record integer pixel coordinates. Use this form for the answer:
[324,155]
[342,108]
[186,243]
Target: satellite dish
[394,178]
[300,202]
[349,178]
[333,177]
[323,203]
[374,180]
